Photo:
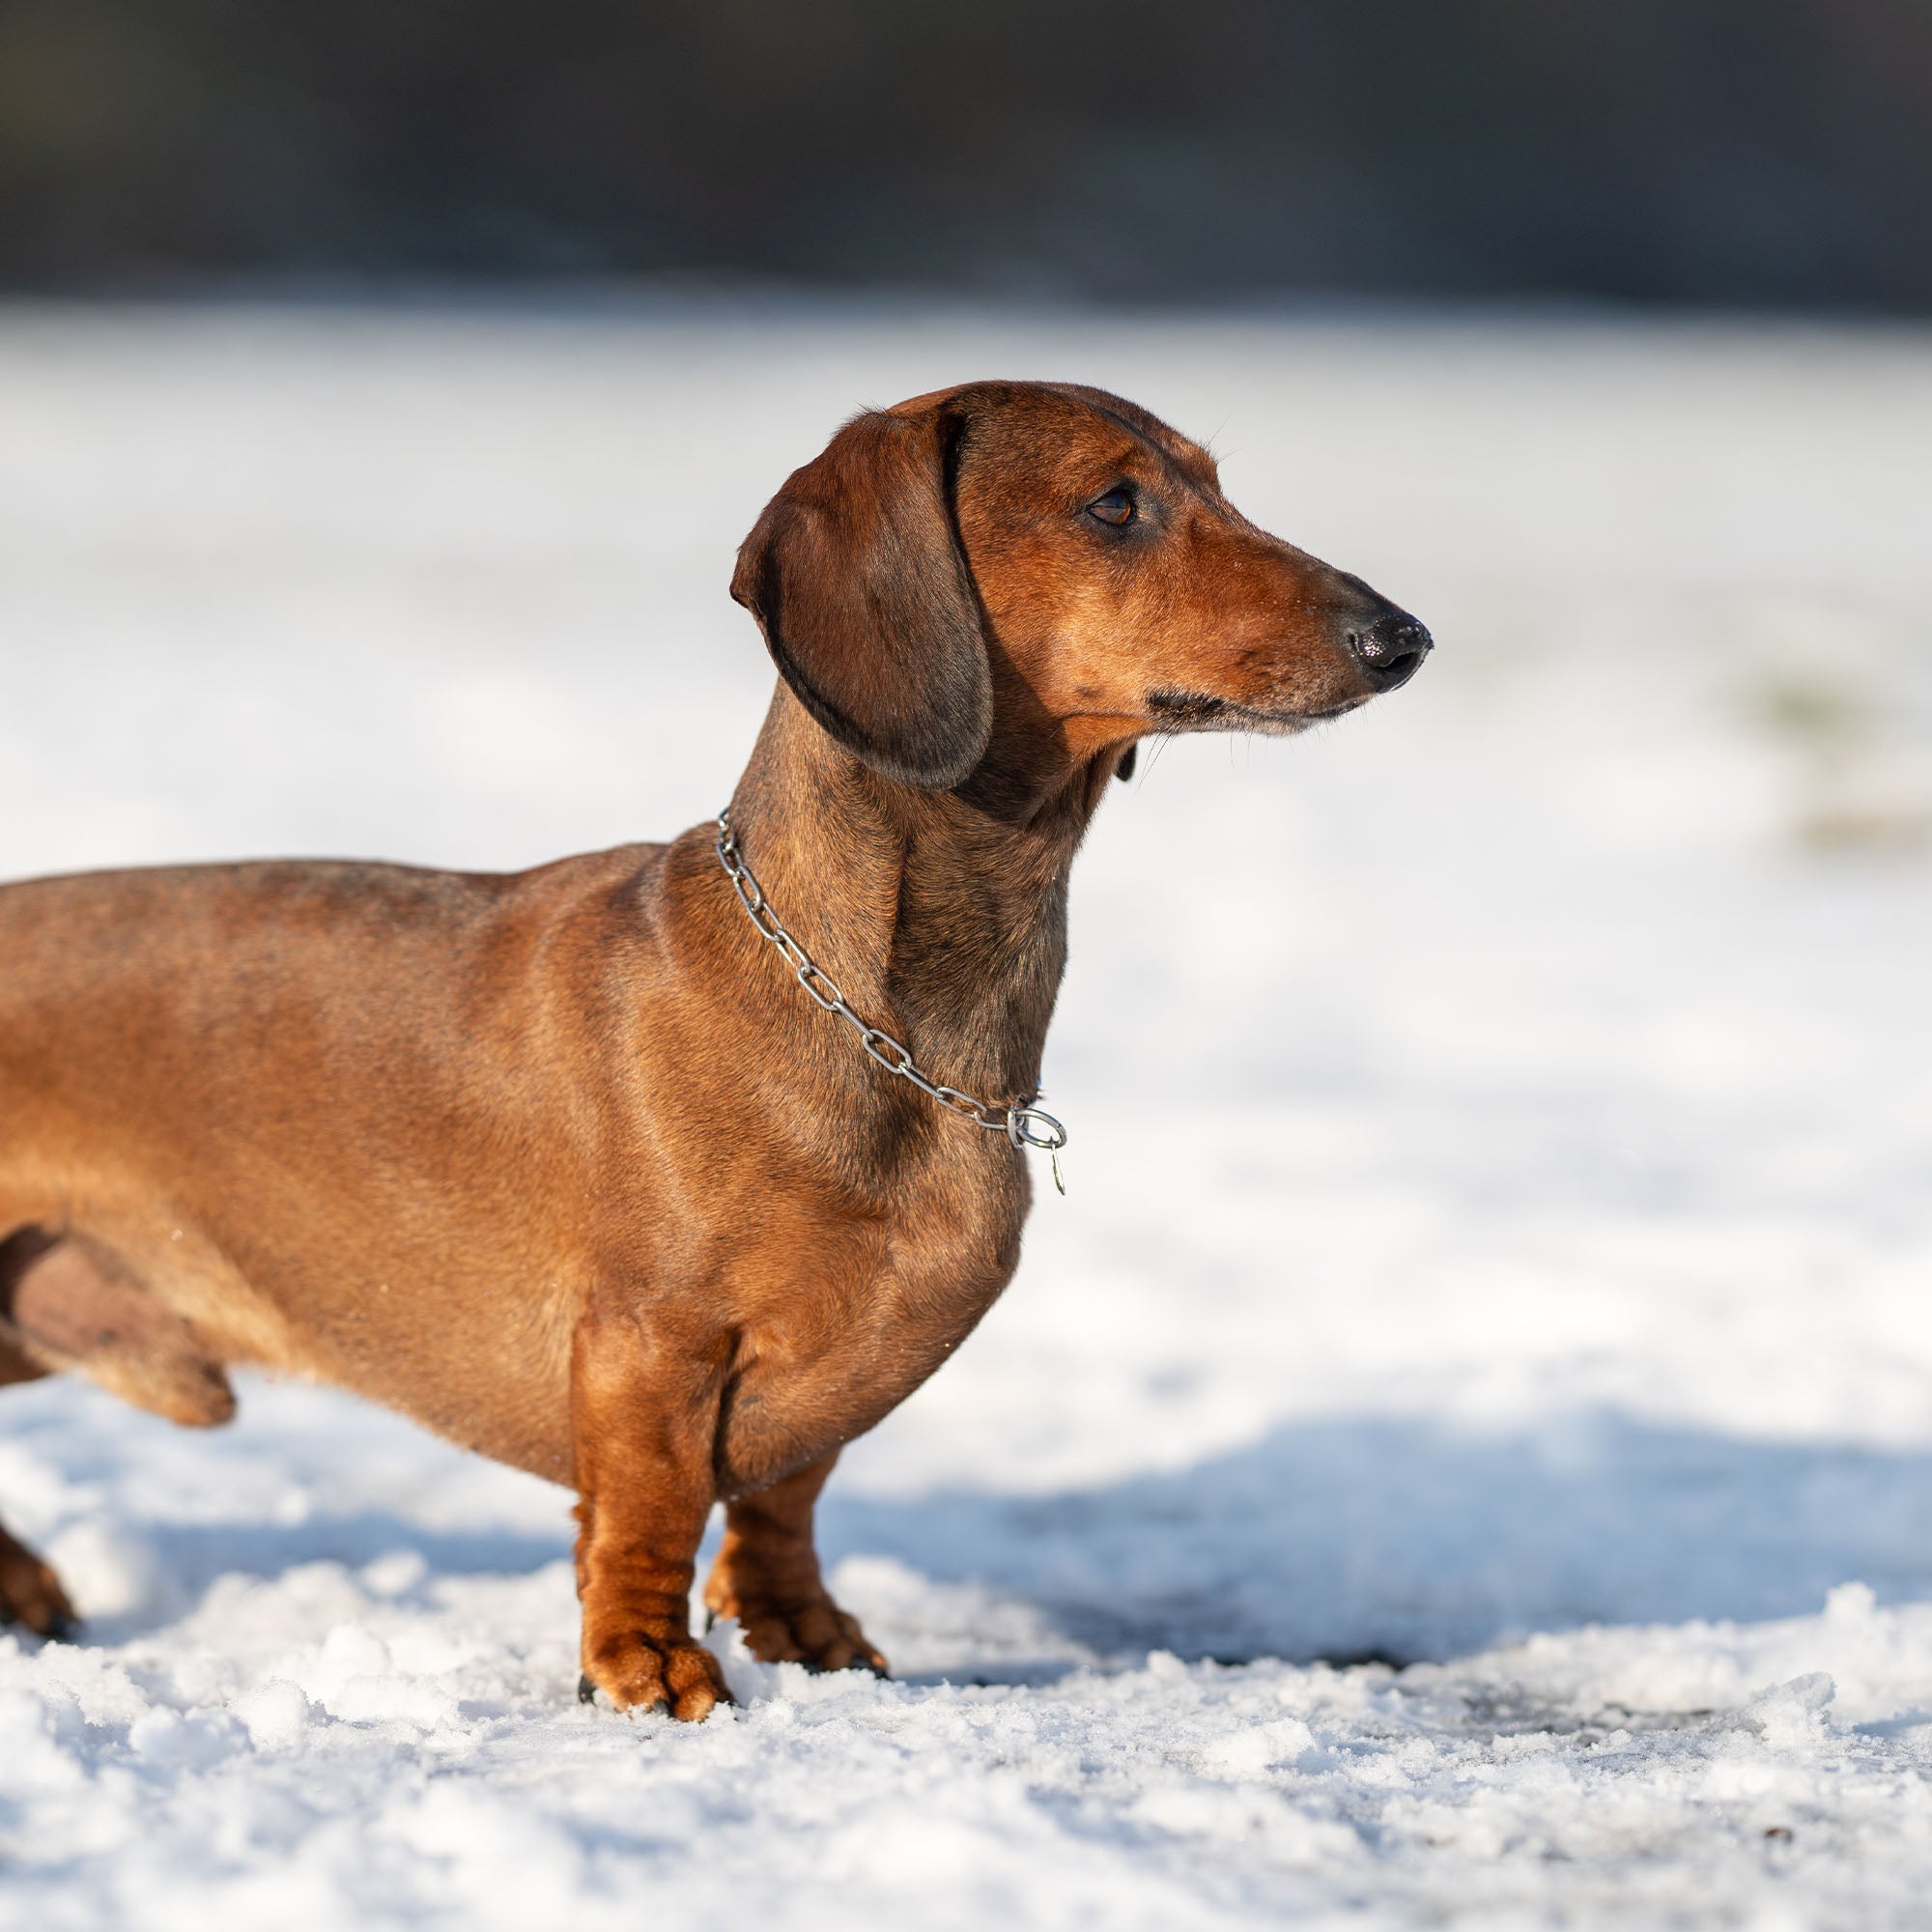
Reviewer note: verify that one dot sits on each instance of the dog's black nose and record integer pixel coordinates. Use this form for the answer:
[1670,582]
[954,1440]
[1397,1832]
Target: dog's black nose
[1390,649]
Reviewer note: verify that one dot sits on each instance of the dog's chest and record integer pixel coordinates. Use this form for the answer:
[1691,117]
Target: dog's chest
[859,1334]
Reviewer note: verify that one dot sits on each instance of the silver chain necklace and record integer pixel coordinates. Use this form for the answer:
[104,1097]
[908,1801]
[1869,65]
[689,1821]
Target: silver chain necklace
[1023,1123]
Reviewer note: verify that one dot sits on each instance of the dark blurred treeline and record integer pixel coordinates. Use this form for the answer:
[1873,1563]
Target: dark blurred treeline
[1715,151]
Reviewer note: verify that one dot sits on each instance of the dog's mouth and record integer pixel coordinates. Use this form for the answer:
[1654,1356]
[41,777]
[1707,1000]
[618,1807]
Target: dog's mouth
[1200,711]
[1342,710]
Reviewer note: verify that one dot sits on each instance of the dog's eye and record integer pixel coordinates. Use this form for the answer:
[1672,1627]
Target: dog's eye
[1116,508]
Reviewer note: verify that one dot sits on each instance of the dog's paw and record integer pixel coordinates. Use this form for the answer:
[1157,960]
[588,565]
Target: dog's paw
[640,1673]
[816,1634]
[30,1593]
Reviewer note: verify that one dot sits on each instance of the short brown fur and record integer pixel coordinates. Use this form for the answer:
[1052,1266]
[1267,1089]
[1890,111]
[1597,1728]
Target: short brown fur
[563,1164]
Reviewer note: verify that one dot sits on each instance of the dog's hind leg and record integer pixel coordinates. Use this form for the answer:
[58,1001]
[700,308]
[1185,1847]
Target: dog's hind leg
[14,1366]
[30,1593]
[69,1301]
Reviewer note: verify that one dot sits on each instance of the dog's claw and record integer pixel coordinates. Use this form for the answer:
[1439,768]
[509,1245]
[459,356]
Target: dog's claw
[815,1633]
[587,1693]
[49,1626]
[866,1658]
[644,1676]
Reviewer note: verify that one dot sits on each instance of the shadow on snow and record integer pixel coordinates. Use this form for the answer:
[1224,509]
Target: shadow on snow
[1347,1539]
[1355,1539]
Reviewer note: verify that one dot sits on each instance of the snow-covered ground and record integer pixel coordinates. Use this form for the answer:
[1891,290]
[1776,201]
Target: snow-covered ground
[1462,1453]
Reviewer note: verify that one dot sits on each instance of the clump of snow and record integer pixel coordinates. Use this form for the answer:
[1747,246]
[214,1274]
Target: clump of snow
[1463,1452]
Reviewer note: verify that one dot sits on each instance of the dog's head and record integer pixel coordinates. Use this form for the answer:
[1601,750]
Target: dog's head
[1048,571]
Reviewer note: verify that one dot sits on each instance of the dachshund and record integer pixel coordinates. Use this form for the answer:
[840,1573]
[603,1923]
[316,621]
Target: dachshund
[665,1172]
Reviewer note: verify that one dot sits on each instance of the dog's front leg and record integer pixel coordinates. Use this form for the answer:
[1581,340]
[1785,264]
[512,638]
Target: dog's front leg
[767,1576]
[644,1423]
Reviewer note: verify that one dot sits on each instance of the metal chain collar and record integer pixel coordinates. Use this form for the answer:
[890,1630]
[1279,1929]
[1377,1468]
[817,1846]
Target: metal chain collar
[1024,1123]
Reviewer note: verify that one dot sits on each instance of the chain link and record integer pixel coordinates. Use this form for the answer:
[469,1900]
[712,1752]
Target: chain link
[1024,1124]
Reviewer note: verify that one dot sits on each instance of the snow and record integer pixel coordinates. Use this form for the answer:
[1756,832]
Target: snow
[1461,1455]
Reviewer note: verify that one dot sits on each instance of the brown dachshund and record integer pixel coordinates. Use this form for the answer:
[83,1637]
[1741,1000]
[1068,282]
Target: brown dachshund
[566,1164]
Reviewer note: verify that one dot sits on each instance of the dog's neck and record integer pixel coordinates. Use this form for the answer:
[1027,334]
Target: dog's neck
[941,915]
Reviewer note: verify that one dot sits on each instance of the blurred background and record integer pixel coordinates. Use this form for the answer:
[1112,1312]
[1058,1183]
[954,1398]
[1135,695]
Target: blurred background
[1498,1194]
[1755,152]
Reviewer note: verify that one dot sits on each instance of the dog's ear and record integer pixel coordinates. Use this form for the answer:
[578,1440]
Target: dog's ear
[855,577]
